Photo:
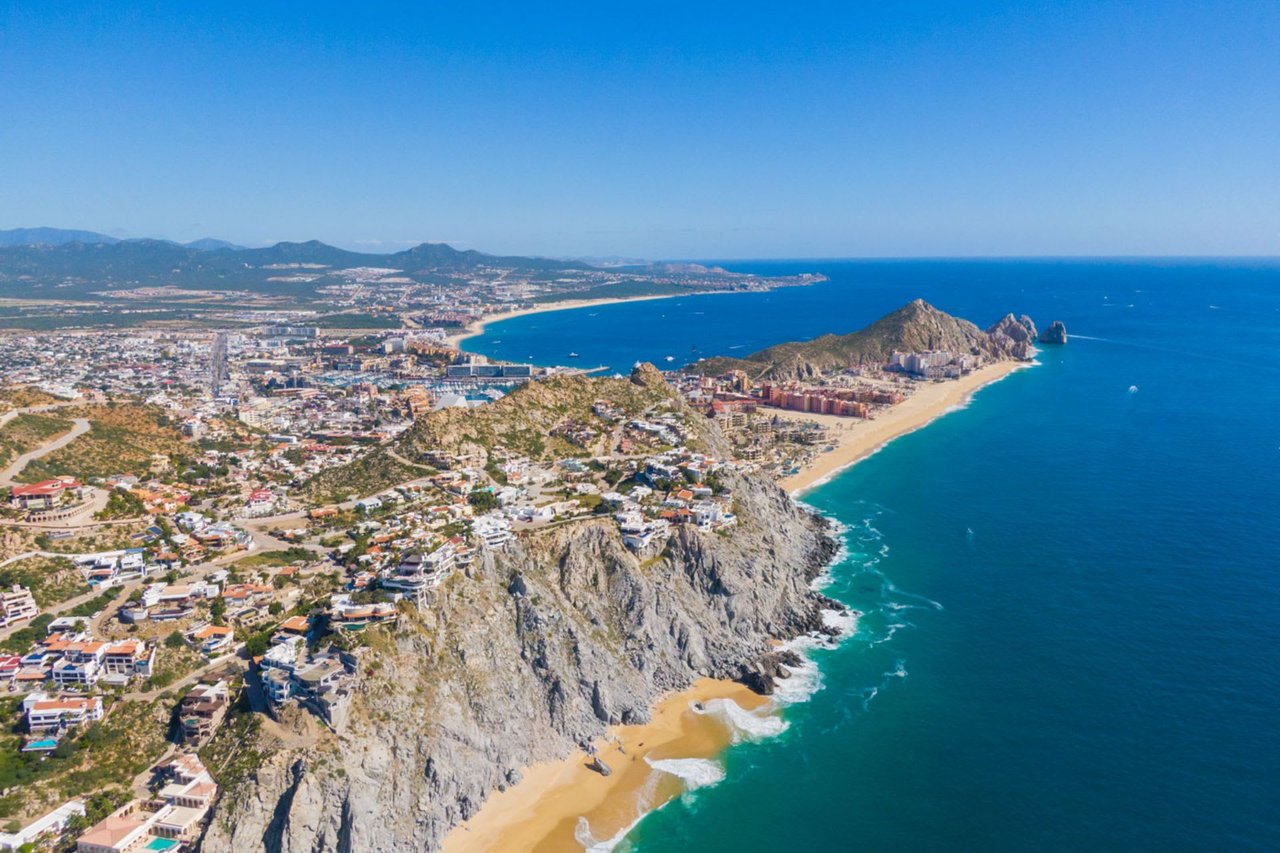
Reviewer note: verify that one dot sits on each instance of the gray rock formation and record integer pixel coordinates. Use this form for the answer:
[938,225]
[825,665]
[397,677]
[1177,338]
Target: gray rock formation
[1015,336]
[1055,334]
[532,654]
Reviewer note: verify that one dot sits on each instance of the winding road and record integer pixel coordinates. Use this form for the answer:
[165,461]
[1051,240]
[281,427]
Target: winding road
[79,427]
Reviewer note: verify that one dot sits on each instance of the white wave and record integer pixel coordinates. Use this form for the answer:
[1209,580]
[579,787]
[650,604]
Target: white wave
[695,773]
[744,725]
[890,631]
[591,844]
[800,684]
[929,601]
[843,622]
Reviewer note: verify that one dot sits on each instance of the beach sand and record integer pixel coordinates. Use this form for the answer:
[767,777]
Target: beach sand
[855,439]
[478,326]
[540,814]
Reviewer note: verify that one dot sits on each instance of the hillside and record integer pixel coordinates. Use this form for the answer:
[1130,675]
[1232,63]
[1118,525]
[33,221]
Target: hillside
[523,422]
[915,327]
[123,438]
[529,654]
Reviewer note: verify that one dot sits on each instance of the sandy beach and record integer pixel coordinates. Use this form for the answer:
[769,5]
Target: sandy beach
[855,439]
[478,326]
[541,813]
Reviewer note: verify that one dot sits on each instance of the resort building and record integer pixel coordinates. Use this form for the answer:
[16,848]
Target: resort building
[47,715]
[160,825]
[45,494]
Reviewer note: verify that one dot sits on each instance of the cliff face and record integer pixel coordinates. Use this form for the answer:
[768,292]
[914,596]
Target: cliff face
[534,653]
[915,327]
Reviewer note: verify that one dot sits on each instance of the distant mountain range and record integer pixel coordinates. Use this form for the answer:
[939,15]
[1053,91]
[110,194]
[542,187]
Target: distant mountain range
[62,236]
[82,262]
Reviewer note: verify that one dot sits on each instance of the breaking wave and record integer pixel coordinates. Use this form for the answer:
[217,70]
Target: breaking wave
[695,773]
[743,725]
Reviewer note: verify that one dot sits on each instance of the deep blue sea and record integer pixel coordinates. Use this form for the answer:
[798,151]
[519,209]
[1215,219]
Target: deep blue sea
[1071,587]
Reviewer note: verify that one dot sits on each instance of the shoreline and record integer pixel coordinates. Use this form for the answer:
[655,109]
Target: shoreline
[856,439]
[559,804]
[545,811]
[476,327]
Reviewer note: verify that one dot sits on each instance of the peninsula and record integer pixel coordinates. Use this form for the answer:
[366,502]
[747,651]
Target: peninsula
[396,594]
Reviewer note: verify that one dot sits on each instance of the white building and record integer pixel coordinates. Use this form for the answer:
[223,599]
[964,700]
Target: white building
[16,605]
[492,529]
[45,714]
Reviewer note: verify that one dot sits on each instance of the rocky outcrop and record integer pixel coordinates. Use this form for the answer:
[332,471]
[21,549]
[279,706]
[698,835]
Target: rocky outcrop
[915,327]
[1014,336]
[533,653]
[1055,334]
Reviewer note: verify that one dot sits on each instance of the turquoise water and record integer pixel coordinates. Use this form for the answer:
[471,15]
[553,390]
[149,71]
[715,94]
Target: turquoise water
[1070,587]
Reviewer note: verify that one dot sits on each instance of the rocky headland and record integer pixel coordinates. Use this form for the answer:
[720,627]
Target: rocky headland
[532,653]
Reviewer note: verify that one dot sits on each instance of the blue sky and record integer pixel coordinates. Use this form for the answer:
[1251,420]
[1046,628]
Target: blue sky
[656,130]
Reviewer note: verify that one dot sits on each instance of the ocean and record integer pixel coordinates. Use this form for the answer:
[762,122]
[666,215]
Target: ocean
[1070,587]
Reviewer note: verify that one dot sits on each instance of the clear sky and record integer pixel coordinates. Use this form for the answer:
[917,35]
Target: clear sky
[659,130]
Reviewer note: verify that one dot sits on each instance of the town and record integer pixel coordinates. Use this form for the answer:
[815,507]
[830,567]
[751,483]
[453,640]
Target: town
[208,530]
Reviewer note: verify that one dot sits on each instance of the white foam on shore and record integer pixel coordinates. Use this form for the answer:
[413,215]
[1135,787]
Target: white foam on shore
[590,844]
[695,773]
[744,725]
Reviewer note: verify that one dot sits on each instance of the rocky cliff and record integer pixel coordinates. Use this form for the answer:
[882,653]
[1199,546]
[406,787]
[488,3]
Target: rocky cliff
[915,327]
[532,653]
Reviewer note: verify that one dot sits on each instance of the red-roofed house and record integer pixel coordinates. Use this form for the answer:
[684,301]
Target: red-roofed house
[45,494]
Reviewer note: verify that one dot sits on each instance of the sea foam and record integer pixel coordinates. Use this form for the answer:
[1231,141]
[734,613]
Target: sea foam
[695,773]
[743,725]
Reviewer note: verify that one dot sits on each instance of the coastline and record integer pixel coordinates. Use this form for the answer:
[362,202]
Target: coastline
[477,327]
[542,812]
[856,439]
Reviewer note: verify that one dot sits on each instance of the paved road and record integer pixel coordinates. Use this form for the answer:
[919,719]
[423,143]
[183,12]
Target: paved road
[29,410]
[79,428]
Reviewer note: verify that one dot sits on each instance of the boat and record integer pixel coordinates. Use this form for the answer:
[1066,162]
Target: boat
[671,358]
[573,355]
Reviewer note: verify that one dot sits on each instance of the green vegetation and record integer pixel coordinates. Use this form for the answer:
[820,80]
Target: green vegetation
[375,471]
[104,757]
[21,640]
[29,432]
[272,559]
[122,504]
[173,664]
[93,605]
[522,422]
[122,438]
[52,580]
[24,396]
[232,754]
